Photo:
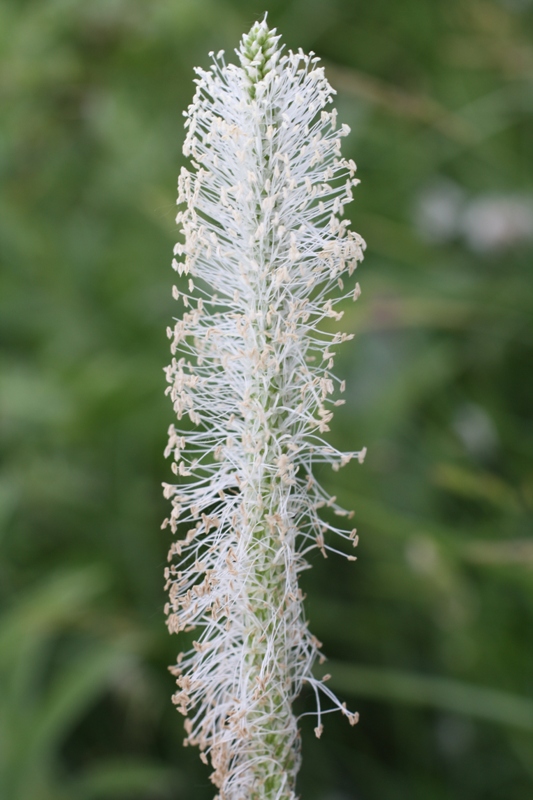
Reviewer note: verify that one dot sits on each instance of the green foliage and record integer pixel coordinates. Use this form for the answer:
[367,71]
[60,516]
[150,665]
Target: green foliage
[429,633]
[56,660]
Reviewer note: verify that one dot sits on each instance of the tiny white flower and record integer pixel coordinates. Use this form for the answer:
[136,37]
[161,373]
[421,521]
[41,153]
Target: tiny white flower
[265,250]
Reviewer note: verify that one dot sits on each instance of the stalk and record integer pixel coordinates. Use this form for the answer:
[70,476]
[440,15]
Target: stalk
[264,245]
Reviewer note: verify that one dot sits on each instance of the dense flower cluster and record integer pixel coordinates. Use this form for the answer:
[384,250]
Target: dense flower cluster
[266,252]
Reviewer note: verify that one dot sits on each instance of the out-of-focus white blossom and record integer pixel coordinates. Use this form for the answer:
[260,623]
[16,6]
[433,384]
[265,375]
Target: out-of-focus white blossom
[266,253]
[437,212]
[487,224]
[476,429]
[492,223]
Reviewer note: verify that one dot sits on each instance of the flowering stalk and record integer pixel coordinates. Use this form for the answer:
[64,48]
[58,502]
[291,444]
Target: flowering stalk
[265,246]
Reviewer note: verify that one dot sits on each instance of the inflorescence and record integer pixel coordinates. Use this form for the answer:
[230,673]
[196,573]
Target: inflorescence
[266,254]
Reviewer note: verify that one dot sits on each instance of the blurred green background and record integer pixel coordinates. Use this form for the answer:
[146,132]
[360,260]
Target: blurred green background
[430,634]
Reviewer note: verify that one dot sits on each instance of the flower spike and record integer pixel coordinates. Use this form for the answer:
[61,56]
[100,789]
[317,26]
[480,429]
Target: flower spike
[265,250]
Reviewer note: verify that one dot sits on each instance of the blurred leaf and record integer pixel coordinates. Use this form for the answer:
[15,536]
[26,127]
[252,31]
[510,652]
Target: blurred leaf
[517,551]
[476,485]
[75,687]
[126,779]
[395,100]
[443,693]
[46,608]
[43,695]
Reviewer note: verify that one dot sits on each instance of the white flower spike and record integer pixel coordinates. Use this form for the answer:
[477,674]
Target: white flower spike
[265,249]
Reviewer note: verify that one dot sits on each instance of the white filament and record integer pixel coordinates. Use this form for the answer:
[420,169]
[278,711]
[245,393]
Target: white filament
[264,248]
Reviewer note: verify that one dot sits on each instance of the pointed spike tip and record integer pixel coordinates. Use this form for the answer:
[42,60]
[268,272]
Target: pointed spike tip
[258,53]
